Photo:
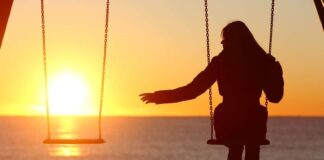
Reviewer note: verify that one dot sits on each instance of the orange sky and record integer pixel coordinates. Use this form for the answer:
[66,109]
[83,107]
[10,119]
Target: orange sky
[152,45]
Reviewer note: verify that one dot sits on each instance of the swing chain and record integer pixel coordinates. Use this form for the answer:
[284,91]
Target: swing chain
[208,61]
[103,68]
[45,69]
[207,31]
[271,25]
[270,39]
[211,106]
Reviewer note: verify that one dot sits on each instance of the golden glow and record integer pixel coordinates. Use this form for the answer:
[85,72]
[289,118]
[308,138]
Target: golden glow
[66,128]
[69,95]
[152,47]
[65,150]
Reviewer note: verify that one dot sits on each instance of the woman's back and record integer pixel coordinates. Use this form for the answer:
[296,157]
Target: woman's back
[239,78]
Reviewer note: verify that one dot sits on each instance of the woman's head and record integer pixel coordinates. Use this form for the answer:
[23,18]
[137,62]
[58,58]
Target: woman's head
[236,35]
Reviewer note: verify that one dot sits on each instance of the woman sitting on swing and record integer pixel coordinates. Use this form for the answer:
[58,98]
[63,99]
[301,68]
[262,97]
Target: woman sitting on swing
[242,70]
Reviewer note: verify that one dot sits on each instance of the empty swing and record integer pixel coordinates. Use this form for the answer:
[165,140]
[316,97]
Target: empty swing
[49,139]
[213,141]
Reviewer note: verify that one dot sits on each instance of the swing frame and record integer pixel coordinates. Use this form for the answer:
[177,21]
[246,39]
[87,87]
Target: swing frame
[5,8]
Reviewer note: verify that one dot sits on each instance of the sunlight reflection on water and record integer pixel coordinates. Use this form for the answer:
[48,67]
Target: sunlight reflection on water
[65,151]
[66,128]
[71,127]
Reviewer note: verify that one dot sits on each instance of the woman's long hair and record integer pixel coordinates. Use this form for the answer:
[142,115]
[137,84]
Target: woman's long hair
[237,32]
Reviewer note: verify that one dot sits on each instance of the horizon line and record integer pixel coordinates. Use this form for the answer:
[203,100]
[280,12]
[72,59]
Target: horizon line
[155,116]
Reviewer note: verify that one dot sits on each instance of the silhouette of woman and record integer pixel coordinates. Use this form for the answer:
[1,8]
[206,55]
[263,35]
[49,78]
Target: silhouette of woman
[242,72]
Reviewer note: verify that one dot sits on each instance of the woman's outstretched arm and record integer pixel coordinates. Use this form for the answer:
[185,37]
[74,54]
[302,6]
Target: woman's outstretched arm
[198,86]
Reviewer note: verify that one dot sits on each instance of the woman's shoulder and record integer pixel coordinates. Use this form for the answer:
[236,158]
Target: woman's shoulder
[219,59]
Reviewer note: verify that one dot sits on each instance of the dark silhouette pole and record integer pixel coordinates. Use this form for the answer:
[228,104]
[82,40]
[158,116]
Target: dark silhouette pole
[5,7]
[320,10]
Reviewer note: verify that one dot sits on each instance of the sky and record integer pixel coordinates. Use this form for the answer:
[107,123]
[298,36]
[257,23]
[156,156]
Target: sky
[152,45]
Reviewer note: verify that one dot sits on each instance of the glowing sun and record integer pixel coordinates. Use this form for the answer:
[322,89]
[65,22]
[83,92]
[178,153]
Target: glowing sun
[69,94]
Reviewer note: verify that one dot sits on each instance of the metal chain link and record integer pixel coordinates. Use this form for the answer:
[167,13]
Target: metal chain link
[271,26]
[270,39]
[208,61]
[103,67]
[45,70]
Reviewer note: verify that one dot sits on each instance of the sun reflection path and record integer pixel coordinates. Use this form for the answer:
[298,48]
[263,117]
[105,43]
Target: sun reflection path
[65,151]
[65,128]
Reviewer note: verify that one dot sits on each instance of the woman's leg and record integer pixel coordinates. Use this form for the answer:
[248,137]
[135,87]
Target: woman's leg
[235,152]
[252,152]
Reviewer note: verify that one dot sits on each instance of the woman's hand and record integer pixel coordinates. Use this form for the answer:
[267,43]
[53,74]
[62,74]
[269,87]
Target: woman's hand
[148,97]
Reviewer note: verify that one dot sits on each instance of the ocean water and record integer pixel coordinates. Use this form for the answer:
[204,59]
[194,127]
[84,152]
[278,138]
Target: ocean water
[151,138]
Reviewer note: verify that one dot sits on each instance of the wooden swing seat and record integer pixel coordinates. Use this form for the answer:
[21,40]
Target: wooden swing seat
[218,142]
[74,141]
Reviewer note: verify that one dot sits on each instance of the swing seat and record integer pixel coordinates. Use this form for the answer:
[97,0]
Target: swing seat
[74,141]
[218,142]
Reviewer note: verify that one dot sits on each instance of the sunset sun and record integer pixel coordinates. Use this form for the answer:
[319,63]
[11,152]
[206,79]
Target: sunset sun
[69,95]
